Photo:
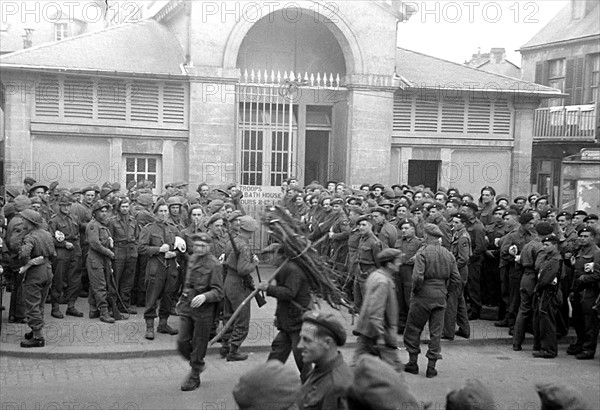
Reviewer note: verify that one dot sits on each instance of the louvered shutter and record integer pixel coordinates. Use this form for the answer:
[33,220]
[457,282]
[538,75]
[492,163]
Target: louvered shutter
[453,115]
[569,80]
[502,117]
[78,98]
[47,97]
[173,103]
[426,115]
[144,101]
[578,82]
[402,113]
[112,100]
[478,116]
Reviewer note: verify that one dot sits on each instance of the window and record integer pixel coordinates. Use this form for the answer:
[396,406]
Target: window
[594,78]
[556,78]
[138,168]
[61,31]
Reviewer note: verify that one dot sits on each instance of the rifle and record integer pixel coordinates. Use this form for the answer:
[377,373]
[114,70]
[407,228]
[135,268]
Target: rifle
[260,299]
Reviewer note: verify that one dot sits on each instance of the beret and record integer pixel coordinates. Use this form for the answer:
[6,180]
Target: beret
[474,395]
[29,181]
[499,208]
[12,191]
[388,193]
[366,217]
[397,186]
[65,198]
[416,208]
[53,185]
[525,218]
[586,229]
[540,198]
[551,238]
[378,386]
[235,215]
[130,185]
[511,211]
[467,196]
[214,219]
[501,197]
[387,255]
[365,185]
[433,230]
[180,184]
[379,209]
[332,182]
[99,205]
[437,206]
[338,201]
[170,185]
[215,205]
[520,197]
[591,217]
[75,190]
[201,236]
[454,200]
[329,323]
[35,200]
[564,213]
[144,199]
[471,205]
[544,228]
[377,186]
[32,216]
[158,204]
[269,385]
[38,185]
[386,202]
[554,396]
[9,210]
[579,212]
[248,224]
[532,195]
[90,188]
[463,217]
[22,203]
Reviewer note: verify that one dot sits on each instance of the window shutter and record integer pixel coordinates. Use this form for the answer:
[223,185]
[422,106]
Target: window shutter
[426,115]
[144,101]
[402,112]
[47,97]
[173,103]
[79,98]
[502,117]
[479,116]
[569,80]
[577,98]
[539,73]
[112,100]
[453,115]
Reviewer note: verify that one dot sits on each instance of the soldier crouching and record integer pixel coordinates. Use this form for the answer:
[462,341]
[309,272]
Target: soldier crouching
[202,292]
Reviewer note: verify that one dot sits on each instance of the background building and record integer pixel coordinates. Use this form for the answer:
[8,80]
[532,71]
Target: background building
[494,62]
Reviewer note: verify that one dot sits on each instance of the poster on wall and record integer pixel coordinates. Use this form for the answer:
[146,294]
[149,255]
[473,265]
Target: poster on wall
[261,196]
[588,194]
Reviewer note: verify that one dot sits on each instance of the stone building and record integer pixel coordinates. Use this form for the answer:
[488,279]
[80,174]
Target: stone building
[254,92]
[494,62]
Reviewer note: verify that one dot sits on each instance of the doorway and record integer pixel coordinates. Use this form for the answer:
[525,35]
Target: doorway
[426,173]
[317,156]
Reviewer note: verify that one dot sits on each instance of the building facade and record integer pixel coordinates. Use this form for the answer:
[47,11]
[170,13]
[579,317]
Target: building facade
[254,92]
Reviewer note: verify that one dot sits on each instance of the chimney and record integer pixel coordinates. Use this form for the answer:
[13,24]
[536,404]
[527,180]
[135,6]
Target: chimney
[28,38]
[497,55]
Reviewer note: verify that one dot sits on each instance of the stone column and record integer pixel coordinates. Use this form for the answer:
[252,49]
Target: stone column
[523,147]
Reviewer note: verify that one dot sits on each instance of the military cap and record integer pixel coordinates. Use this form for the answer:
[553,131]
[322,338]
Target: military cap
[520,197]
[99,205]
[437,205]
[214,219]
[377,186]
[201,236]
[365,185]
[12,192]
[586,229]
[328,322]
[454,200]
[248,224]
[170,185]
[532,195]
[550,238]
[387,255]
[270,385]
[175,200]
[272,248]
[90,188]
[544,228]
[590,217]
[377,386]
[144,199]
[215,206]
[464,218]
[565,214]
[235,215]
[180,184]
[416,208]
[366,217]
[471,205]
[433,230]
[580,212]
[498,209]
[38,185]
[21,203]
[158,204]
[386,202]
[379,209]
[65,198]
[29,181]
[473,395]
[337,201]
[130,185]
[35,200]
[32,216]
[525,218]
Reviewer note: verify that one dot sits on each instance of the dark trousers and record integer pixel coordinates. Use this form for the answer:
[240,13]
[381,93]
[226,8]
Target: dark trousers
[403,293]
[546,307]
[514,295]
[235,293]
[585,319]
[38,280]
[456,311]
[98,268]
[85,279]
[474,286]
[285,343]
[504,293]
[525,315]
[160,280]
[17,302]
[67,276]
[563,321]
[193,338]
[387,354]
[124,271]
[490,281]
[139,287]
[421,311]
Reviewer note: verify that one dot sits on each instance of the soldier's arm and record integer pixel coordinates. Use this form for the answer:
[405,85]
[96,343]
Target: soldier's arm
[464,250]
[418,275]
[52,228]
[344,233]
[26,248]
[144,242]
[594,275]
[376,306]
[215,293]
[480,248]
[455,279]
[549,270]
[245,264]
[93,237]
[289,289]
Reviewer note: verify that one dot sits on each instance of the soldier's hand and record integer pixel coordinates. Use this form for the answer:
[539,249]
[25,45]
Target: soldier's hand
[36,261]
[68,245]
[164,248]
[111,255]
[255,259]
[198,301]
[170,254]
[222,258]
[262,286]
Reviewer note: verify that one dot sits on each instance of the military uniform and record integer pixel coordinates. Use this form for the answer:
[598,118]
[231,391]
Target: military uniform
[387,234]
[125,233]
[368,247]
[99,266]
[403,279]
[477,231]
[338,256]
[325,388]
[456,310]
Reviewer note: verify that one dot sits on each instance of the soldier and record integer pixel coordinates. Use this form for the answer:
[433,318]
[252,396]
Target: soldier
[84,216]
[491,263]
[477,231]
[125,233]
[408,244]
[338,237]
[98,262]
[157,241]
[321,336]
[456,311]
[435,270]
[65,231]
[292,291]
[436,217]
[385,231]
[368,247]
[237,285]
[488,202]
[35,255]
[202,291]
[377,325]
[584,292]
[567,245]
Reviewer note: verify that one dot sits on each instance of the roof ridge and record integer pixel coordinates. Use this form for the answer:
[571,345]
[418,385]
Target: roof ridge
[466,66]
[73,38]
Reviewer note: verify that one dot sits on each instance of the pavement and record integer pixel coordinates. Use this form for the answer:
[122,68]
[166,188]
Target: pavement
[72,337]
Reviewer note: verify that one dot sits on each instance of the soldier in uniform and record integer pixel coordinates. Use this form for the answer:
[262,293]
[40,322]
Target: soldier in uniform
[215,231]
[338,237]
[35,255]
[321,336]
[408,244]
[202,291]
[567,245]
[157,241]
[437,217]
[385,231]
[477,231]
[435,271]
[238,284]
[292,291]
[368,247]
[64,228]
[84,216]
[98,262]
[125,233]
[456,311]
[143,217]
[377,325]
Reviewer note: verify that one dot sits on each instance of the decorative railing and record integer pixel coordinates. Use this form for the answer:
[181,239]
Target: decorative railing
[324,81]
[570,122]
